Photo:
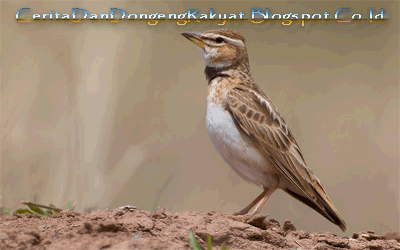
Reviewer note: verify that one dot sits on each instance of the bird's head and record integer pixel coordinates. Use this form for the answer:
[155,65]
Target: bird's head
[220,48]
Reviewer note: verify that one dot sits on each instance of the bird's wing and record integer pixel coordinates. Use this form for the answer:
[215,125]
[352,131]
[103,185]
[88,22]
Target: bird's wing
[259,118]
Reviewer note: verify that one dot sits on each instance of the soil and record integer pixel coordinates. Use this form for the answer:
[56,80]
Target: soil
[128,228]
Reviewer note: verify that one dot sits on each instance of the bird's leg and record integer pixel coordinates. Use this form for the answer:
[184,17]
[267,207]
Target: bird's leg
[267,193]
[252,204]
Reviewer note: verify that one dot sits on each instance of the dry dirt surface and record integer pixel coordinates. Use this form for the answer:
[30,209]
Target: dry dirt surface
[128,228]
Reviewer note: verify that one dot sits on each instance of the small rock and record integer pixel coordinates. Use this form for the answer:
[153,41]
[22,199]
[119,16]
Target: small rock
[393,244]
[211,213]
[375,245]
[119,213]
[56,215]
[159,213]
[288,226]
[128,208]
[275,222]
[68,213]
[301,234]
[321,246]
[392,236]
[365,236]
[110,227]
[146,223]
[274,238]
[254,234]
[86,228]
[105,245]
[258,220]
[3,237]
[35,240]
[377,237]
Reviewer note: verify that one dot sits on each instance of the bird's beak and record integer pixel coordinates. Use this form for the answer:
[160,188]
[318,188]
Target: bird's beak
[194,37]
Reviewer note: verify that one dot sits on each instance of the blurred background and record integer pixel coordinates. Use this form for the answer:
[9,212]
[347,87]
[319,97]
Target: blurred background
[109,114]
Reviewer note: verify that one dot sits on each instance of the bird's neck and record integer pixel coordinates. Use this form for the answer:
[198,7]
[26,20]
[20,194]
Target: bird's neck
[231,71]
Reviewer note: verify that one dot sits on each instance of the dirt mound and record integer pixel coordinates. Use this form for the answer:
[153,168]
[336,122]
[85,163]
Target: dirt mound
[127,228]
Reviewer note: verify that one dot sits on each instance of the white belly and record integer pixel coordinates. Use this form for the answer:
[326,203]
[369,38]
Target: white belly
[237,149]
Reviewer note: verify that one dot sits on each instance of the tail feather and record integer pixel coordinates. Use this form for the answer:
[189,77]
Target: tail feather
[328,211]
[333,213]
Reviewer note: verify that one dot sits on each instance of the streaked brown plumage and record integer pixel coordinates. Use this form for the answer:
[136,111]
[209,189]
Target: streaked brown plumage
[248,131]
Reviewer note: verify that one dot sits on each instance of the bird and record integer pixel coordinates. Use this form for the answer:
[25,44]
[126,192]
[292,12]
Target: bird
[248,131]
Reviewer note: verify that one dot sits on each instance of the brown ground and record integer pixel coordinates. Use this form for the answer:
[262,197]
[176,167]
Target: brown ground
[127,228]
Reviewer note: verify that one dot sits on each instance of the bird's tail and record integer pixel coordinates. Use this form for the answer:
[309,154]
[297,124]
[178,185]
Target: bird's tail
[325,206]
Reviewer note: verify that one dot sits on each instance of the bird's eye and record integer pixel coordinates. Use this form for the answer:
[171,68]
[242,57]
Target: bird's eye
[219,40]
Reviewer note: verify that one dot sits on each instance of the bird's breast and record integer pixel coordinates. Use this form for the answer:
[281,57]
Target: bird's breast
[237,149]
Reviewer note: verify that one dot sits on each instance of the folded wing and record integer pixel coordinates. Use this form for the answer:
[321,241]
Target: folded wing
[259,118]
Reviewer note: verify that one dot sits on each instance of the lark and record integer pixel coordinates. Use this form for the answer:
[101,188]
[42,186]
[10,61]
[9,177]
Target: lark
[248,131]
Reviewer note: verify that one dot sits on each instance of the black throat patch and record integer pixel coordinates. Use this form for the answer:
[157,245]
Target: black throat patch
[213,72]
